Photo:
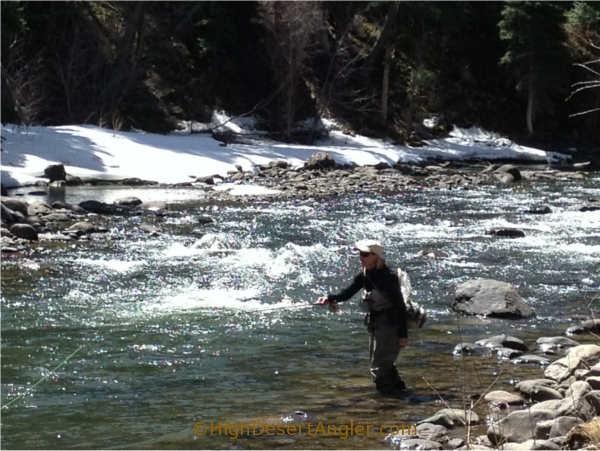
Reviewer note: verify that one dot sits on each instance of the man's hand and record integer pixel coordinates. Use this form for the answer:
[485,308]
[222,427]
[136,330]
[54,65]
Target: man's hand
[403,343]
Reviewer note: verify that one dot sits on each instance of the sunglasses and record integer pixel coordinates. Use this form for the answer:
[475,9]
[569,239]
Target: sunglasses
[365,254]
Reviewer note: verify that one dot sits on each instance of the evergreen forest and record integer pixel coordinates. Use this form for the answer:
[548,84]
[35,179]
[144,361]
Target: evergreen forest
[529,70]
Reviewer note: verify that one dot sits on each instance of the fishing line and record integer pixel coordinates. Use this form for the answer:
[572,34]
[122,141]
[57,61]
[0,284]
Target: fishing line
[149,295]
[26,392]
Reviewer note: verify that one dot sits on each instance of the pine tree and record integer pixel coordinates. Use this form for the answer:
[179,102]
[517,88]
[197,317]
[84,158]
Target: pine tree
[536,55]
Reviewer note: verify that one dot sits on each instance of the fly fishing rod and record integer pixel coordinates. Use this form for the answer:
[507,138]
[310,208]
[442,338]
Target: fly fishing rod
[285,307]
[331,307]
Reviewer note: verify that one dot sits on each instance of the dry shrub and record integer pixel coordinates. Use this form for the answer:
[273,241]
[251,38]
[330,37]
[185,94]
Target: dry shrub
[585,435]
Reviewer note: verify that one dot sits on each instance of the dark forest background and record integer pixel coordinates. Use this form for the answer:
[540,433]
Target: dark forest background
[528,70]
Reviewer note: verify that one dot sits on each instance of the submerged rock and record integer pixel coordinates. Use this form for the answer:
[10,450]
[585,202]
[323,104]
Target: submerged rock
[432,253]
[511,233]
[470,349]
[507,353]
[539,210]
[128,201]
[535,359]
[553,344]
[98,207]
[589,326]
[503,341]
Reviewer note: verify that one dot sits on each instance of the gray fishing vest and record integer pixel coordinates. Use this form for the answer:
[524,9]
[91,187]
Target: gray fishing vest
[375,300]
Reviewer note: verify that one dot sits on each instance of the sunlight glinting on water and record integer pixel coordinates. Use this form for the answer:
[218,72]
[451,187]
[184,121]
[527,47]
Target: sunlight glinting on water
[213,320]
[197,299]
[112,265]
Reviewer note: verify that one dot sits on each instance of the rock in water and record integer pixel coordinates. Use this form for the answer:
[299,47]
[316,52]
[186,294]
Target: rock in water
[490,298]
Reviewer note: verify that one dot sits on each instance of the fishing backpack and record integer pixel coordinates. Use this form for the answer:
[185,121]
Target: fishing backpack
[416,314]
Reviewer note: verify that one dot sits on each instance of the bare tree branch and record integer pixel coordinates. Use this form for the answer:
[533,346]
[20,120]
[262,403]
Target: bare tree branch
[291,27]
[594,110]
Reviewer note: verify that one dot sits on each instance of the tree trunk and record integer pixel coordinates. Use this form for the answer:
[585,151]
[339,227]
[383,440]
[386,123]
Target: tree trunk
[385,88]
[386,33]
[289,106]
[531,99]
[530,108]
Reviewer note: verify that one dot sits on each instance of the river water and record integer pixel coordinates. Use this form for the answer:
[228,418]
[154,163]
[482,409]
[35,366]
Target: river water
[209,323]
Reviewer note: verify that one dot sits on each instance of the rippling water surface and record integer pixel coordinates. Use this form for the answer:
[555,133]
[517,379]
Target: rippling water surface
[208,323]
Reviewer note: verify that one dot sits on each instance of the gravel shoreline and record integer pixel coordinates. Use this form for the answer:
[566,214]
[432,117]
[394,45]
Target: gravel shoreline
[322,176]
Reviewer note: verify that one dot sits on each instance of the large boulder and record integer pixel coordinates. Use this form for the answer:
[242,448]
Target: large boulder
[490,298]
[55,172]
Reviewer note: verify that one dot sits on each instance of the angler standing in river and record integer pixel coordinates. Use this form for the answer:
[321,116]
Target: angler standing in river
[386,315]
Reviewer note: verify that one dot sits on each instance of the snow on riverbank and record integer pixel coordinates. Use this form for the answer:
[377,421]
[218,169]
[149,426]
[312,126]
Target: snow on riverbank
[89,151]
